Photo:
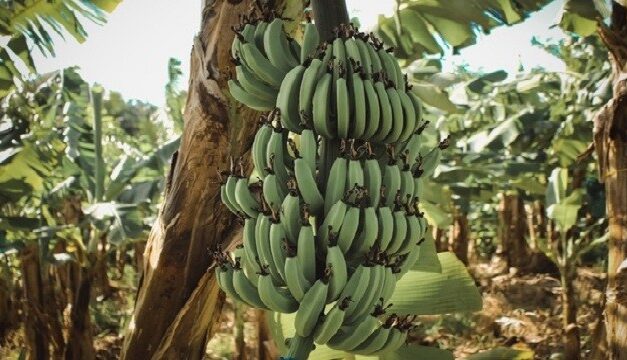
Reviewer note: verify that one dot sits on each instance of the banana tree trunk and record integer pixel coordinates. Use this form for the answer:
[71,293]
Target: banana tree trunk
[610,140]
[512,230]
[458,237]
[178,300]
[80,340]
[569,317]
[36,339]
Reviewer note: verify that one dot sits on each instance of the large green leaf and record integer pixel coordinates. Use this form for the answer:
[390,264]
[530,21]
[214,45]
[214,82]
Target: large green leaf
[429,26]
[122,222]
[423,293]
[428,259]
[556,190]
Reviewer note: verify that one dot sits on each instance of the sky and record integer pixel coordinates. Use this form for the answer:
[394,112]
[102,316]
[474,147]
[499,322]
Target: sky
[130,53]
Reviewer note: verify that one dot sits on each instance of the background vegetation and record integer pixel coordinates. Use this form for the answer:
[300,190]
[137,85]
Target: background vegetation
[521,196]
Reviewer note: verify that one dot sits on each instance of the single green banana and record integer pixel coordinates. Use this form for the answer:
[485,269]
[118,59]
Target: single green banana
[364,56]
[349,227]
[278,238]
[249,81]
[409,115]
[321,101]
[355,174]
[350,337]
[391,182]
[277,46]
[264,249]
[225,200]
[342,107]
[307,185]
[332,322]
[373,179]
[374,59]
[260,30]
[373,110]
[231,185]
[245,199]
[275,298]
[397,116]
[224,275]
[248,99]
[295,280]
[290,215]
[311,76]
[246,289]
[259,149]
[311,307]
[400,231]
[332,222]
[386,227]
[309,149]
[368,234]
[356,287]
[387,62]
[311,40]
[336,184]
[287,99]
[272,192]
[359,105]
[336,262]
[386,118]
[261,66]
[306,250]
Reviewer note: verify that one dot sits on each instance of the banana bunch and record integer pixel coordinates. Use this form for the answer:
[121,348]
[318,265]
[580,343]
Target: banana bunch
[330,212]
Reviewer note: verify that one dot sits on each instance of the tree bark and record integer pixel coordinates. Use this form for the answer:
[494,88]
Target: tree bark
[512,230]
[37,341]
[610,140]
[178,300]
[569,318]
[80,340]
[458,238]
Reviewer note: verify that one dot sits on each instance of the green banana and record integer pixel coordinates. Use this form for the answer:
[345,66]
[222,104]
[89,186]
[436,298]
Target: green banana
[359,105]
[253,85]
[350,337]
[260,30]
[336,184]
[275,298]
[290,214]
[386,227]
[278,239]
[309,149]
[248,99]
[306,250]
[377,339]
[277,46]
[391,181]
[397,116]
[386,118]
[368,234]
[336,262]
[286,99]
[373,109]
[311,40]
[332,322]
[259,149]
[261,66]
[246,289]
[294,277]
[245,199]
[311,76]
[348,229]
[372,178]
[409,115]
[356,287]
[312,306]
[400,231]
[364,55]
[307,185]
[264,249]
[342,106]
[321,101]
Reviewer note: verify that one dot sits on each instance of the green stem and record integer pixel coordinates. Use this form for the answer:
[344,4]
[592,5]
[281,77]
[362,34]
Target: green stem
[96,97]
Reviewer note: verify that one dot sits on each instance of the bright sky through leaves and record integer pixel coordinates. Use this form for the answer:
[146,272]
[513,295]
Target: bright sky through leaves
[130,53]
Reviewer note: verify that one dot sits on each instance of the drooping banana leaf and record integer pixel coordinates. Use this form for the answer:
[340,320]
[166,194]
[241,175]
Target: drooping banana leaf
[426,293]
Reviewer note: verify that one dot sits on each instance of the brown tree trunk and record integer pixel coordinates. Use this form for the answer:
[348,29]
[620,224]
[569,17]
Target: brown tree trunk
[80,339]
[178,301]
[569,318]
[512,230]
[458,239]
[610,140]
[37,341]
